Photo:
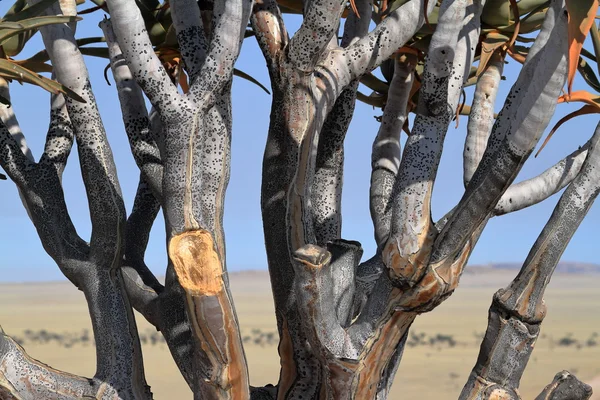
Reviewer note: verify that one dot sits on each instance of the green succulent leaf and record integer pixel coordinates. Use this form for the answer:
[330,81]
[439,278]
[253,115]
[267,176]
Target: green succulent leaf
[375,99]
[11,70]
[9,29]
[20,11]
[374,83]
[42,56]
[587,73]
[596,42]
[155,28]
[249,78]
[101,52]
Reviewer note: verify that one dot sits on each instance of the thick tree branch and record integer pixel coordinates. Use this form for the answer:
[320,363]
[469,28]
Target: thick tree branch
[23,378]
[142,286]
[565,386]
[517,311]
[143,62]
[481,117]
[326,193]
[344,351]
[385,156]
[13,161]
[525,115]
[43,197]
[314,286]
[357,26]
[193,44]
[112,318]
[60,137]
[210,309]
[8,117]
[532,191]
[408,247]
[270,31]
[321,22]
[135,115]
[107,210]
[230,19]
[389,35]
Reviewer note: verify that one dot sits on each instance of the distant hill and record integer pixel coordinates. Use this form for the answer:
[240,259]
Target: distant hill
[564,267]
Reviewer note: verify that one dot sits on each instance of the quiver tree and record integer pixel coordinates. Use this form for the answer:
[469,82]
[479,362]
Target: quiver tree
[342,321]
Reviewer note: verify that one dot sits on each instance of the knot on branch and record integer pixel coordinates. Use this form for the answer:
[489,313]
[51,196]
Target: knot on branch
[521,304]
[486,390]
[439,281]
[407,259]
[196,262]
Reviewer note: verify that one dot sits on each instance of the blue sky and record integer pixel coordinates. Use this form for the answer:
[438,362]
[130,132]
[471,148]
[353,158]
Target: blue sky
[506,239]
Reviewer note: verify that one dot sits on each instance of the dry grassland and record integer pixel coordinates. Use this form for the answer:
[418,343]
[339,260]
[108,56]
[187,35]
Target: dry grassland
[51,319]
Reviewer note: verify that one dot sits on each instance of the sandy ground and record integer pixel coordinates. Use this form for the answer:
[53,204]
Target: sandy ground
[428,371]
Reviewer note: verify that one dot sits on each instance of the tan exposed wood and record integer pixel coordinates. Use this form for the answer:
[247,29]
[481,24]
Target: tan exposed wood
[196,263]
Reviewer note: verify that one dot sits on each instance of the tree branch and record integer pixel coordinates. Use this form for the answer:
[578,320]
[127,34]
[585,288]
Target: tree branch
[193,44]
[389,35]
[517,311]
[143,62]
[210,309]
[8,117]
[532,191]
[142,286]
[135,115]
[112,318]
[385,156]
[321,22]
[565,386]
[412,233]
[107,210]
[16,164]
[525,115]
[326,193]
[22,377]
[326,196]
[314,288]
[269,28]
[60,137]
[481,117]
[356,26]
[230,19]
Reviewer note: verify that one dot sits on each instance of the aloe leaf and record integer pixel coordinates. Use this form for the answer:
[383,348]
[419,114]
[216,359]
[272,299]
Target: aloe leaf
[249,78]
[374,83]
[14,71]
[30,11]
[101,52]
[9,29]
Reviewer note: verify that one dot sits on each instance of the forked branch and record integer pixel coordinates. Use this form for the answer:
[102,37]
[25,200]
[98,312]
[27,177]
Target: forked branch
[517,311]
[526,113]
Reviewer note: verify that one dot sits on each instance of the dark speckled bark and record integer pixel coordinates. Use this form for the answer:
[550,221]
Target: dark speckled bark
[194,161]
[517,311]
[343,324]
[515,134]
[565,386]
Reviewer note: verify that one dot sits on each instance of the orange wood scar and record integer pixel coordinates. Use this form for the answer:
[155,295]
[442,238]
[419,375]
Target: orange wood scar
[196,262]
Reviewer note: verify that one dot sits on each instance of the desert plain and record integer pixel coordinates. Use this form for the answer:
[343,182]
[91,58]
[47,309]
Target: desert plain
[52,323]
